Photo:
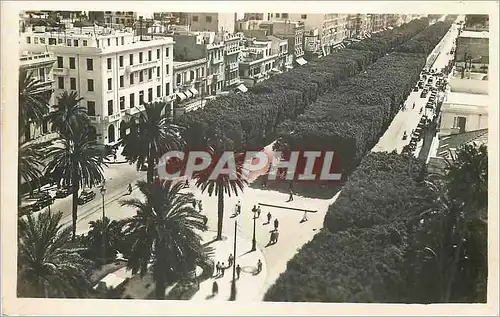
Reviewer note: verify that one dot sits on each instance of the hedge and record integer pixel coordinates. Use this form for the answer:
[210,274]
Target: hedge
[360,254]
[425,41]
[250,119]
[351,119]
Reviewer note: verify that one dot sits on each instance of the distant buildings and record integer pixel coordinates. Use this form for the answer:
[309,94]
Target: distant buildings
[210,22]
[189,84]
[113,18]
[40,67]
[114,72]
[472,51]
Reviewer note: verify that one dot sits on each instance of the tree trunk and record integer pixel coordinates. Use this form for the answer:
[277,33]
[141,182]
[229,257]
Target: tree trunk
[220,211]
[75,188]
[150,167]
[159,273]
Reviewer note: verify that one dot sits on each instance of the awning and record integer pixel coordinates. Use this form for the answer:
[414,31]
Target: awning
[181,96]
[301,61]
[242,88]
[194,91]
[188,93]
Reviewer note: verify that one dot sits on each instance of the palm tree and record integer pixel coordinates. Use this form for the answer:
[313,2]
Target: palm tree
[33,101]
[30,164]
[165,231]
[46,266]
[221,184]
[78,161]
[68,116]
[151,135]
[114,238]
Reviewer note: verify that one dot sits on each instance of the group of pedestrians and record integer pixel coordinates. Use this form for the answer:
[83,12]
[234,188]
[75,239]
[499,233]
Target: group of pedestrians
[220,270]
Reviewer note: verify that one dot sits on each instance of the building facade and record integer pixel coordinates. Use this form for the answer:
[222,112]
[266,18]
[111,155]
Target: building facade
[256,61]
[210,22]
[189,85]
[114,72]
[232,51]
[39,66]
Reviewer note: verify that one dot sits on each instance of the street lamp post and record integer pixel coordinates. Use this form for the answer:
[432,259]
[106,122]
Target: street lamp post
[233,282]
[254,241]
[103,193]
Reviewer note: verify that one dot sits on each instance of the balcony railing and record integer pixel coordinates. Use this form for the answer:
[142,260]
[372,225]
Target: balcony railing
[232,66]
[142,66]
[61,71]
[214,61]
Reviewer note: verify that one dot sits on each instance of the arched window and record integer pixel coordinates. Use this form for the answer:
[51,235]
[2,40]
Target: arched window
[111,133]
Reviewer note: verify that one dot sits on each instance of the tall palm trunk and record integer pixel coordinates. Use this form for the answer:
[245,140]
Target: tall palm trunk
[75,188]
[220,212]
[150,167]
[159,272]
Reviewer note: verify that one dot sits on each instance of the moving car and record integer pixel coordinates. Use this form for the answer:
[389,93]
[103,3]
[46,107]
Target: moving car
[86,196]
[63,192]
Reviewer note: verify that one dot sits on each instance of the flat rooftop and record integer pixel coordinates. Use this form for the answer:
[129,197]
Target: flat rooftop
[178,64]
[475,34]
[461,98]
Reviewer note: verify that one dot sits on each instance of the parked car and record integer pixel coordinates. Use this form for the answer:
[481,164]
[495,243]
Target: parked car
[42,200]
[423,94]
[63,192]
[415,88]
[86,196]
[420,84]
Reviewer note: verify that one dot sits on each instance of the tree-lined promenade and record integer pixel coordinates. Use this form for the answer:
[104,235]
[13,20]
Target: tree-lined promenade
[163,236]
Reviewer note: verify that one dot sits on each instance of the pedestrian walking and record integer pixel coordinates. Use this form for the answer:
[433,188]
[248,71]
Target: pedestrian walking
[413,106]
[217,267]
[205,220]
[199,205]
[259,266]
[129,188]
[254,210]
[269,217]
[238,271]
[222,269]
[276,235]
[276,224]
[194,204]
[258,212]
[271,238]
[238,208]
[290,197]
[215,288]
[186,184]
[230,260]
[114,157]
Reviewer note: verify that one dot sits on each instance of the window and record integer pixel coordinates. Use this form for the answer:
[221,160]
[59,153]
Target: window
[158,54]
[97,43]
[110,107]
[72,63]
[60,82]
[141,97]
[158,72]
[28,40]
[59,41]
[158,91]
[167,52]
[109,63]
[109,42]
[167,68]
[132,79]
[141,76]
[72,83]
[167,89]
[75,43]
[131,58]
[178,79]
[195,18]
[150,94]
[132,100]
[284,15]
[42,40]
[120,61]
[90,84]
[123,40]
[35,40]
[303,16]
[150,73]
[122,103]
[90,64]
[208,19]
[150,56]
[121,81]
[41,74]
[140,57]
[116,41]
[277,15]
[110,83]
[84,42]
[191,75]
[91,108]
[68,42]
[202,72]
[60,62]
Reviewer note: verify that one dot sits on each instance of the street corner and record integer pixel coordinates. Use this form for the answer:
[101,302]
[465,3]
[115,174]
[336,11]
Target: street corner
[250,282]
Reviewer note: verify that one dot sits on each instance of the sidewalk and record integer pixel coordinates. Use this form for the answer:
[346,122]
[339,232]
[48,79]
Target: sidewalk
[120,159]
[249,285]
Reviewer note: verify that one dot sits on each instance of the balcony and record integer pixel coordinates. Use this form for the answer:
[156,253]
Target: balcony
[61,71]
[142,66]
[232,52]
[233,81]
[134,110]
[215,61]
[232,66]
[95,119]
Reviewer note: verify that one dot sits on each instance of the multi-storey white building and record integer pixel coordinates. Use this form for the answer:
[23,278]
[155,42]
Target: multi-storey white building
[40,68]
[114,72]
[231,54]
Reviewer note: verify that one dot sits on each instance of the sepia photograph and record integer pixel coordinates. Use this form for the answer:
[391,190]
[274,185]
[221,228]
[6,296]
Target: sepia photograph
[228,155]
